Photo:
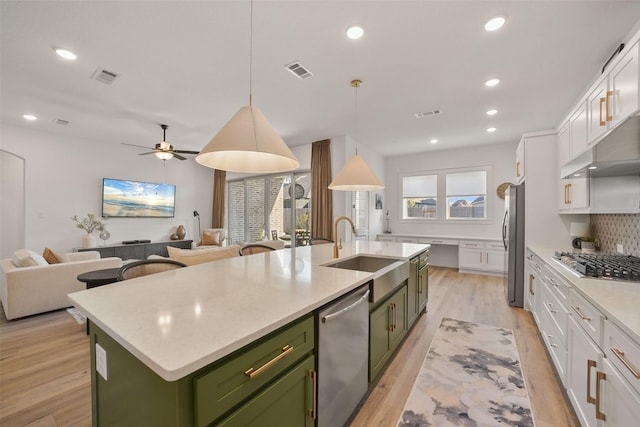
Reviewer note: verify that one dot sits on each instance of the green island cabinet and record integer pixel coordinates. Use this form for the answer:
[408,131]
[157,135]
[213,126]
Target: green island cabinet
[268,382]
[417,286]
[387,326]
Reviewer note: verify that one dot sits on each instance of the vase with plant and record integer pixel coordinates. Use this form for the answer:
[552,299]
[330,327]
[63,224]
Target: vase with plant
[89,223]
[588,243]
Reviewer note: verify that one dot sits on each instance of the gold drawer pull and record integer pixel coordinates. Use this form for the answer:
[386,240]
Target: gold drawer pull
[625,362]
[551,342]
[609,95]
[590,364]
[252,373]
[582,316]
[550,307]
[599,376]
[602,101]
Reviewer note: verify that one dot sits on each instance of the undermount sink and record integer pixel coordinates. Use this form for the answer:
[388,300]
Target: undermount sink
[382,283]
[363,263]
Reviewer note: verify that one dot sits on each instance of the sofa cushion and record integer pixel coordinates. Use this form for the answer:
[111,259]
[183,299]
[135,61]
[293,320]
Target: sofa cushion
[199,256]
[49,256]
[212,236]
[27,258]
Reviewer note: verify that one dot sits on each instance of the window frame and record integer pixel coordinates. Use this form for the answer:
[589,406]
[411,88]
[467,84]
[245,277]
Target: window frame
[442,198]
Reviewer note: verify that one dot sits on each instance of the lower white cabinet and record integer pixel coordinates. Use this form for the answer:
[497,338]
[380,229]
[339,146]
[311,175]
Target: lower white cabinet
[480,256]
[533,285]
[619,403]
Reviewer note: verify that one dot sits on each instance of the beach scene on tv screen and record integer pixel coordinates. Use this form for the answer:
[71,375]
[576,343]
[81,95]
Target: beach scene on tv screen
[133,198]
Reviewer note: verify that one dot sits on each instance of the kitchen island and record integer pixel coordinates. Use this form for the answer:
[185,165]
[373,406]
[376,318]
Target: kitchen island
[159,338]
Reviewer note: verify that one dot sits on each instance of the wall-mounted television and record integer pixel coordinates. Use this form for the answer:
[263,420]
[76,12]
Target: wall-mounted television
[121,198]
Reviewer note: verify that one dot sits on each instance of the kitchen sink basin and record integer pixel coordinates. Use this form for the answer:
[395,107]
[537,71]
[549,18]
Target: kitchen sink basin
[363,263]
[386,279]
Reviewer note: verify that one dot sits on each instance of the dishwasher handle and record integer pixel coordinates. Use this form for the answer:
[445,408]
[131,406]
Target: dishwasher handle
[347,308]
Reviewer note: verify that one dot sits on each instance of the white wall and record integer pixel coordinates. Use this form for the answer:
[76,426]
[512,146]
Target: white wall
[11,203]
[501,158]
[64,177]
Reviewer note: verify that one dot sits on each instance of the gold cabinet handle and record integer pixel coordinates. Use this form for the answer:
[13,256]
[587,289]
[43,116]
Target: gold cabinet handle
[395,317]
[620,354]
[602,101]
[582,316]
[551,342]
[590,364]
[313,412]
[390,317]
[518,169]
[550,307]
[568,194]
[538,268]
[251,373]
[607,109]
[531,279]
[599,377]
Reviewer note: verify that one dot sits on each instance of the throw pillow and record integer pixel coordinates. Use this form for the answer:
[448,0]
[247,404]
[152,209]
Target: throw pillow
[213,236]
[50,256]
[62,257]
[199,256]
[27,258]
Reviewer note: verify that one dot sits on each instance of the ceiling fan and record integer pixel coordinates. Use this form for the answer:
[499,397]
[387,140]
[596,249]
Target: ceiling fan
[164,150]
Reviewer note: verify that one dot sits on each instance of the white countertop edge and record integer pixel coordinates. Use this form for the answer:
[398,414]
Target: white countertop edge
[171,372]
[433,236]
[622,318]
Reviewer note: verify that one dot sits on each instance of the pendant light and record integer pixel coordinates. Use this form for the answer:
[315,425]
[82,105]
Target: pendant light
[248,143]
[356,175]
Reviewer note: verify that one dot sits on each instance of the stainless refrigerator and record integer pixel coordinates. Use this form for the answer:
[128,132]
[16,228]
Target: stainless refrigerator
[513,239]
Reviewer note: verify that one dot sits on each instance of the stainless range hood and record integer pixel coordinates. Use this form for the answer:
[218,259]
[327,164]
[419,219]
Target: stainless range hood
[618,154]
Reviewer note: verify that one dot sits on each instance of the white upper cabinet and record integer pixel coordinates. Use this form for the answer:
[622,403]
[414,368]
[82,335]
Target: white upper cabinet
[615,96]
[578,131]
[520,162]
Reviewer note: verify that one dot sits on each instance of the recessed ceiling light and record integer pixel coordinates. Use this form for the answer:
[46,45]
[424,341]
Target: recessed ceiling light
[494,23]
[491,130]
[434,141]
[592,168]
[354,32]
[29,117]
[576,174]
[492,112]
[491,82]
[66,54]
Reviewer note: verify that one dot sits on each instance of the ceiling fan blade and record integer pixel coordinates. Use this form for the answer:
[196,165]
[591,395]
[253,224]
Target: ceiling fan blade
[134,145]
[150,152]
[178,156]
[186,152]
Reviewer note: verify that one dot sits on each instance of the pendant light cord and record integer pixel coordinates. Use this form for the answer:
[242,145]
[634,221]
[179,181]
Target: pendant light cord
[251,55]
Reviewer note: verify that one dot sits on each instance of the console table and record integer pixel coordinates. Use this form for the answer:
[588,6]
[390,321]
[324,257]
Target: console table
[138,250]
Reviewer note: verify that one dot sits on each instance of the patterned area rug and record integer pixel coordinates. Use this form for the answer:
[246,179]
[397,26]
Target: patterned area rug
[470,377]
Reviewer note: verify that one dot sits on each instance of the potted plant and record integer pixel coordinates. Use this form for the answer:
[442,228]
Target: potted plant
[588,243]
[89,223]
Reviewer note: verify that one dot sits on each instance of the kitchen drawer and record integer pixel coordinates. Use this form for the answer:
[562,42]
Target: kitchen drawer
[472,244]
[535,263]
[587,316]
[623,352]
[438,241]
[556,349]
[559,286]
[406,239]
[557,315]
[496,246]
[229,383]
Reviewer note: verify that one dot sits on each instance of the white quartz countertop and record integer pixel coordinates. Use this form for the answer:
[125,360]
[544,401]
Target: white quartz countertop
[179,321]
[619,301]
[433,236]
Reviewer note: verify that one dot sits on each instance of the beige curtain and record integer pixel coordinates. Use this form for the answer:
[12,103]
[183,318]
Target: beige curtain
[219,185]
[321,196]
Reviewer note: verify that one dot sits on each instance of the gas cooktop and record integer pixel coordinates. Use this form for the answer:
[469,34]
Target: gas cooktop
[602,266]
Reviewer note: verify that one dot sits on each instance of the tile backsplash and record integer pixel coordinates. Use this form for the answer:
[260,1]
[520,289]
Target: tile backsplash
[613,229]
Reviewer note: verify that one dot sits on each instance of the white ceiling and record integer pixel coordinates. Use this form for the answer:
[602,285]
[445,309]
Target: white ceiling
[186,64]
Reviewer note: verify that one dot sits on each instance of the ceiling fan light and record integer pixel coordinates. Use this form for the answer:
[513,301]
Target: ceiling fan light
[356,176]
[248,144]
[163,155]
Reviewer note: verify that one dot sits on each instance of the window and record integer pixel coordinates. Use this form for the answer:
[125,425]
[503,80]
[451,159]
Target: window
[420,196]
[466,195]
[360,214]
[463,190]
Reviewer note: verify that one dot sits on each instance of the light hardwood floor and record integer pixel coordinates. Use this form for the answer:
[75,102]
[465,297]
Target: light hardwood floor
[44,360]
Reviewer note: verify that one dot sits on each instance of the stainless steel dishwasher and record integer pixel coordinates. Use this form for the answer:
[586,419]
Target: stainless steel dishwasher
[343,345]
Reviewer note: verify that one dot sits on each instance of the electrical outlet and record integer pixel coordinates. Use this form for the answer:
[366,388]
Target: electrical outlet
[101,361]
[620,248]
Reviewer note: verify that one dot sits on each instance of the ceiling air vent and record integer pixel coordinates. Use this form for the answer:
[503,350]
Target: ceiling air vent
[298,70]
[61,122]
[104,76]
[425,114]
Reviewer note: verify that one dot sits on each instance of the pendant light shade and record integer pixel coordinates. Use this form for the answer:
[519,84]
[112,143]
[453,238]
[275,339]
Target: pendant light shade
[356,176]
[248,143]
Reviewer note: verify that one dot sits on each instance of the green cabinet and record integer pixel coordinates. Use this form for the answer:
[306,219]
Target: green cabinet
[288,402]
[412,290]
[387,326]
[270,379]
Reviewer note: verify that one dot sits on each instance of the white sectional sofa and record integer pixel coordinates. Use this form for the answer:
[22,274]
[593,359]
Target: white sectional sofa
[41,288]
